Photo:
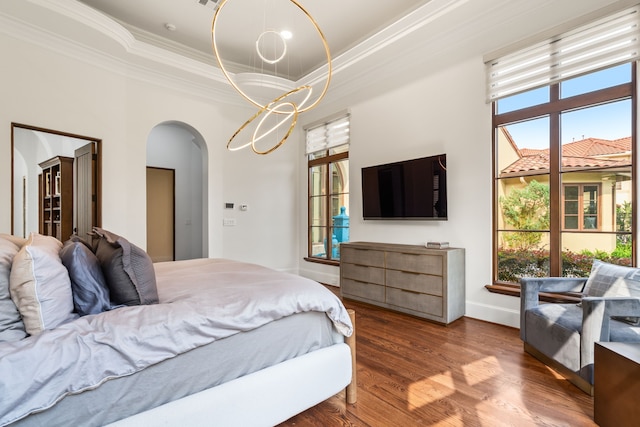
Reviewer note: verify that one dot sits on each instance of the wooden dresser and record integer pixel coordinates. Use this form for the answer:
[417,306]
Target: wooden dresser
[428,283]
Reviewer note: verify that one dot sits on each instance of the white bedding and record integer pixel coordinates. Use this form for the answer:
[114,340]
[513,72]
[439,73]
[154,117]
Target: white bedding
[200,301]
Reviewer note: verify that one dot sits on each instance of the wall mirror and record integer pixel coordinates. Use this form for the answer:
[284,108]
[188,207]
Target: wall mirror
[55,182]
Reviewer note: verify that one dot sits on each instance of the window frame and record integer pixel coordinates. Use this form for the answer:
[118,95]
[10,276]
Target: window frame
[581,215]
[554,109]
[329,160]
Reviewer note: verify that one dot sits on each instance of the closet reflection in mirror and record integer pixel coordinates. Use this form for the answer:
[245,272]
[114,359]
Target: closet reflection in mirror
[55,187]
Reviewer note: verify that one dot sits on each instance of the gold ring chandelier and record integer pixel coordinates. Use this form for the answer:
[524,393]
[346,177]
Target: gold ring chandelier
[281,109]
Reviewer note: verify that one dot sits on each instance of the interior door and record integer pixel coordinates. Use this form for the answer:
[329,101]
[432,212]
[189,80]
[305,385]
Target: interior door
[85,206]
[161,214]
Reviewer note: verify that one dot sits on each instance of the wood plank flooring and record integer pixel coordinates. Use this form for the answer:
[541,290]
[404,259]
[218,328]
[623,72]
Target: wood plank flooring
[411,372]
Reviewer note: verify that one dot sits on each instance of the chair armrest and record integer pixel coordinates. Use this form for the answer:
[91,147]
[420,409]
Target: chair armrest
[596,316]
[531,287]
[598,311]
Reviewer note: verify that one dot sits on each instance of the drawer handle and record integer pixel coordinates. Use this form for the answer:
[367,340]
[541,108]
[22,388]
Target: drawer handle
[411,292]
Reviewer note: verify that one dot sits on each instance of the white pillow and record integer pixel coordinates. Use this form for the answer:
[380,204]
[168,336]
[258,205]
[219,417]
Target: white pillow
[18,241]
[40,286]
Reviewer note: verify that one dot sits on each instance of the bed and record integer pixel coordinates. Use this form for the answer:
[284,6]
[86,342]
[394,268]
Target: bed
[226,343]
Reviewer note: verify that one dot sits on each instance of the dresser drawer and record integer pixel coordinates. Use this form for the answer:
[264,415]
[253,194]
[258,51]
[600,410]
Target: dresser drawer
[423,283]
[362,256]
[362,273]
[368,291]
[423,303]
[417,263]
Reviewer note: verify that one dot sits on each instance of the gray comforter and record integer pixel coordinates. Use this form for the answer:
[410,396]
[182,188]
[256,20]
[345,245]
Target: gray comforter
[200,301]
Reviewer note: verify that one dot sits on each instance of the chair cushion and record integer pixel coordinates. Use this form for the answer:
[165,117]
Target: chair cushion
[622,332]
[554,329]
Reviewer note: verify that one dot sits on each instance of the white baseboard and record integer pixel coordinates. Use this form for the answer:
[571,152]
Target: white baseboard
[493,314]
[322,277]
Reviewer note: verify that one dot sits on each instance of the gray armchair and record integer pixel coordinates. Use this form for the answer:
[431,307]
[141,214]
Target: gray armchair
[563,335]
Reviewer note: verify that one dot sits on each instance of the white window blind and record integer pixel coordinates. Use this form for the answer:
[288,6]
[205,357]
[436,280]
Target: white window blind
[328,135]
[609,41]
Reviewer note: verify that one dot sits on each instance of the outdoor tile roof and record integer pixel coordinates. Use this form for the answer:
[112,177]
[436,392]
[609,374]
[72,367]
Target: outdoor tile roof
[583,154]
[597,147]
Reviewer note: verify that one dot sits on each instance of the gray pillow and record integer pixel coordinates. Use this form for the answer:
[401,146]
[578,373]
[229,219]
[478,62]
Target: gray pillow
[610,280]
[11,326]
[127,268]
[88,286]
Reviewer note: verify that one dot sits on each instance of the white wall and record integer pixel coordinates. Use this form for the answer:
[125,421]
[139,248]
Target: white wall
[54,91]
[444,112]
[267,232]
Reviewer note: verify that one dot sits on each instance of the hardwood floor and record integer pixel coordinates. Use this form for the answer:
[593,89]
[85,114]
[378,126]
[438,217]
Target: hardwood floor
[412,372]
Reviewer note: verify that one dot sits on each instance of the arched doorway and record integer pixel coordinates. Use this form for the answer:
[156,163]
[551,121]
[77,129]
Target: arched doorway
[178,148]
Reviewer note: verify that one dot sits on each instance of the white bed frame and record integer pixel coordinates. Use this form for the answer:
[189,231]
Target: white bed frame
[264,398]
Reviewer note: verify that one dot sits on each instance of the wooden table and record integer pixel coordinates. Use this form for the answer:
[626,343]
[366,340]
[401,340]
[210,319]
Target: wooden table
[617,384]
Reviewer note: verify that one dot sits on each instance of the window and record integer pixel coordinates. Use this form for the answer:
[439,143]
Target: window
[328,164]
[564,155]
[564,174]
[581,207]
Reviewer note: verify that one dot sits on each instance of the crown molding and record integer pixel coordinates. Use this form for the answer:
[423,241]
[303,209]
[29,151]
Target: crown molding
[90,17]
[142,46]
[398,30]
[112,29]
[138,59]
[148,57]
[33,34]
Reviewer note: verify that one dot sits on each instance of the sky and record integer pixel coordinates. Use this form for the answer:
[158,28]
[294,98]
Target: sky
[609,121]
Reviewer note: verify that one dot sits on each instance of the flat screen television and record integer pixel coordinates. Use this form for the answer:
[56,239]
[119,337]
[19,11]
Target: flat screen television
[410,189]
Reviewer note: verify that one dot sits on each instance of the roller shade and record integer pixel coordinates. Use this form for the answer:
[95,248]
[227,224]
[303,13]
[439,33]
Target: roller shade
[328,135]
[609,41]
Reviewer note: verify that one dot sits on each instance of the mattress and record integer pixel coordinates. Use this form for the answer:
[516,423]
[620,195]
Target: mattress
[192,372]
[201,302]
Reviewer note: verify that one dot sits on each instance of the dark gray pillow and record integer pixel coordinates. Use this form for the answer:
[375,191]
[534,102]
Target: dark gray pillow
[127,268]
[88,286]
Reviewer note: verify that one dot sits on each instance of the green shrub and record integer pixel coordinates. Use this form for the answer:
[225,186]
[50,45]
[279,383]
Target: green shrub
[623,250]
[516,263]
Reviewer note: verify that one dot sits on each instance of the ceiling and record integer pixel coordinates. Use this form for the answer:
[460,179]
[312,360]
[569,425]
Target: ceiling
[345,23]
[375,45]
